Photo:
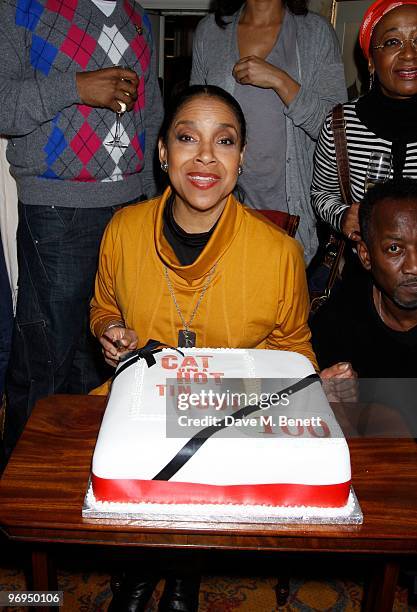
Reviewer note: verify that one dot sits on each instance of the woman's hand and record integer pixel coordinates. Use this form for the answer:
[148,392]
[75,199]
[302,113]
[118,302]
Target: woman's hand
[340,383]
[117,341]
[253,70]
[350,223]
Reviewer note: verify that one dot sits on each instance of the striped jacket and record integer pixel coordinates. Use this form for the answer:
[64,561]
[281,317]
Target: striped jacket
[325,192]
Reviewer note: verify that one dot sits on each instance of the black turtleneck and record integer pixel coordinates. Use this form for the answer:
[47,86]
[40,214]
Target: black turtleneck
[391,119]
[187,247]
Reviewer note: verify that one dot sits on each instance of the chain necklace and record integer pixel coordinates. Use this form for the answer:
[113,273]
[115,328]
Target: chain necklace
[187,338]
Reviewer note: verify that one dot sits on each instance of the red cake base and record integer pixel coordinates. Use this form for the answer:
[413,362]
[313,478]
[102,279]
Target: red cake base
[163,492]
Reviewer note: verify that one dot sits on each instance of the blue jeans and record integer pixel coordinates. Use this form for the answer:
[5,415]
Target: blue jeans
[52,348]
[6,319]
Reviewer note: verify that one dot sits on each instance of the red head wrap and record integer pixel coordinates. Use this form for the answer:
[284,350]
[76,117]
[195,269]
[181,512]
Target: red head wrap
[372,16]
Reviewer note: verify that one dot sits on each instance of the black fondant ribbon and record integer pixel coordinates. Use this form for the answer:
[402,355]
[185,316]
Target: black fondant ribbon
[197,441]
[146,352]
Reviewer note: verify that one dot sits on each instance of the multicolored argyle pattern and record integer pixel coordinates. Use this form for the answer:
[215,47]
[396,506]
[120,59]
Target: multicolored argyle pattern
[73,36]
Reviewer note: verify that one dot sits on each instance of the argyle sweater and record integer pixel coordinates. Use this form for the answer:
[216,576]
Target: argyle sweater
[59,149]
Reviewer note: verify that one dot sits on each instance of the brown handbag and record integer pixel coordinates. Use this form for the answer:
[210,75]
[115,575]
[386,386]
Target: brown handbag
[336,242]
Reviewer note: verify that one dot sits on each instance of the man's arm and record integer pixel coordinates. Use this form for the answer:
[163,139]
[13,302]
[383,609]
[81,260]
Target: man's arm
[28,98]
[154,113]
[331,334]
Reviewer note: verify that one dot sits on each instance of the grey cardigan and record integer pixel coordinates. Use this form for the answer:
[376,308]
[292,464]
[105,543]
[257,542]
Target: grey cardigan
[322,80]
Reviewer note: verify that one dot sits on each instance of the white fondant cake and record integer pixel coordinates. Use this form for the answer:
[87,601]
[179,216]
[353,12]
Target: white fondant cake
[148,451]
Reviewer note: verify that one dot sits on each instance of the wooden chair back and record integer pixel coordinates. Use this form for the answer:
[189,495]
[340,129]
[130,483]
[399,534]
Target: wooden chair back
[287,222]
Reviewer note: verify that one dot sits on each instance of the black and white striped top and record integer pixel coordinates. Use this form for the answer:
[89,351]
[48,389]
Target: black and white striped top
[325,192]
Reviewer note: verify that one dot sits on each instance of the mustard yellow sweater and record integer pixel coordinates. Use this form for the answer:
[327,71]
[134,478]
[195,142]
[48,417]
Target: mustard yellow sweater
[257,297]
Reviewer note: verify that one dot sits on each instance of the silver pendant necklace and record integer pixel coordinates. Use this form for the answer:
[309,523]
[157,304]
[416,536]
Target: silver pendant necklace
[186,337]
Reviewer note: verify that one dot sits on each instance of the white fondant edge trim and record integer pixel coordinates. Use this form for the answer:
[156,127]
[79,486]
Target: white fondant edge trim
[221,510]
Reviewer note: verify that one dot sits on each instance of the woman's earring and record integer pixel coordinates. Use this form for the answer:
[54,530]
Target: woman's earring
[239,170]
[164,166]
[371,80]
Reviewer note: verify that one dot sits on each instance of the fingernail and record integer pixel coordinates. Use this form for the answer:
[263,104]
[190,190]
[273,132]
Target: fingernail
[344,365]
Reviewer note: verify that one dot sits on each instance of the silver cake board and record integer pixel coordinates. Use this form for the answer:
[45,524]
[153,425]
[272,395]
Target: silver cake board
[221,513]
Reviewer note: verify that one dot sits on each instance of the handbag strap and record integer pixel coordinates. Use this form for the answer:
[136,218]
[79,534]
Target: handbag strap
[342,158]
[342,162]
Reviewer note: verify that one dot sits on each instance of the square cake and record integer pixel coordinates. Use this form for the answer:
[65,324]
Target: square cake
[157,447]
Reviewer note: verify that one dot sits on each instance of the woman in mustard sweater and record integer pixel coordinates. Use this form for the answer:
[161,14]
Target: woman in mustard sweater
[196,268]
[195,265]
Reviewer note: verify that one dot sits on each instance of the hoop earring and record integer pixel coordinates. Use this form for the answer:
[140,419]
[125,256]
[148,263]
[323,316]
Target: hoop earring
[239,170]
[164,166]
[371,80]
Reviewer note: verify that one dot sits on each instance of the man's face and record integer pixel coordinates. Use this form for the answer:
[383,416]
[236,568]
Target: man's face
[391,255]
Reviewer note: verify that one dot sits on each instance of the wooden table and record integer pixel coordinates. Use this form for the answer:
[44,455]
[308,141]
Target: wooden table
[43,487]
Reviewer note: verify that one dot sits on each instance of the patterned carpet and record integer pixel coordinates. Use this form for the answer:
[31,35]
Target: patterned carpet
[89,591]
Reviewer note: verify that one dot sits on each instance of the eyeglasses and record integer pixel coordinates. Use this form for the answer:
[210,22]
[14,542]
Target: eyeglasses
[394,45]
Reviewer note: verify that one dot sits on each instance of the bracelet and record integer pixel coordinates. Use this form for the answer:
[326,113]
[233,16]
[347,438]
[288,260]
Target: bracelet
[114,324]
